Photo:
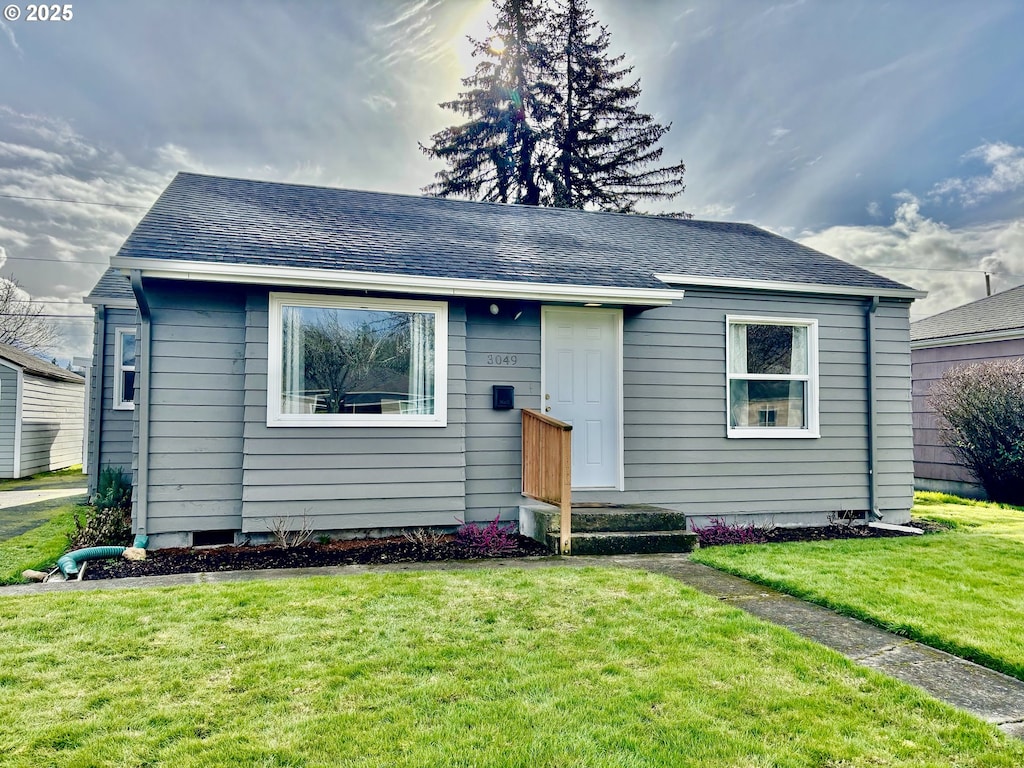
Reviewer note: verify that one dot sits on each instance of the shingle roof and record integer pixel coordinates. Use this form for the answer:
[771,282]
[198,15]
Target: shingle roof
[34,365]
[1002,311]
[112,285]
[234,221]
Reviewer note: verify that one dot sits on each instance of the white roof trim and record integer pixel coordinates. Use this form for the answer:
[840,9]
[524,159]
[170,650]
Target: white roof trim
[375,281]
[101,301]
[773,285]
[969,338]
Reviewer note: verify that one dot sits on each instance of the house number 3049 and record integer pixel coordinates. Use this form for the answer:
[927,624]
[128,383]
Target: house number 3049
[502,360]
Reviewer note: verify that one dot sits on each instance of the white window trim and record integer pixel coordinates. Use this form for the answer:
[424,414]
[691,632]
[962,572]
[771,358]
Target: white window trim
[119,368]
[812,430]
[274,363]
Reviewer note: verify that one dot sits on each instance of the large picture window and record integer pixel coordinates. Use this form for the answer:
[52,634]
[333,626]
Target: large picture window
[124,369]
[341,361]
[772,377]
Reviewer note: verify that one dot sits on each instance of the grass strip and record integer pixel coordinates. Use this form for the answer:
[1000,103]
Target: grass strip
[961,591]
[38,548]
[589,667]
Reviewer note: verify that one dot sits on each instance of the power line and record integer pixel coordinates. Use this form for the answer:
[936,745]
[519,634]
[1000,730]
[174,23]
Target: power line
[943,269]
[77,202]
[62,261]
[50,317]
[46,301]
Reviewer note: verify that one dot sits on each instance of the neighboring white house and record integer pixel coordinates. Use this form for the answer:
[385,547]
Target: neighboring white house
[42,408]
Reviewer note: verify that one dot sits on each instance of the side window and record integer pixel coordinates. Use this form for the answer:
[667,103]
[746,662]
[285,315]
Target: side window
[772,373]
[124,369]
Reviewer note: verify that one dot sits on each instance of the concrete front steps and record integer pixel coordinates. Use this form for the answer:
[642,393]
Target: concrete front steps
[609,529]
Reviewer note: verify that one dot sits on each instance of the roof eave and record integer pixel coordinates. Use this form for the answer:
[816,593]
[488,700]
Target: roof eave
[301,277]
[113,303]
[789,287]
[980,337]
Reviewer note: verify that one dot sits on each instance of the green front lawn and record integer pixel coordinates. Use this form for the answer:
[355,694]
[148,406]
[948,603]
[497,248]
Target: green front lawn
[559,667]
[961,591]
[39,548]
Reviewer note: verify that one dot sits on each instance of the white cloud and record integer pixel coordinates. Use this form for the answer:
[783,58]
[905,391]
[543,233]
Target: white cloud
[57,250]
[13,237]
[874,209]
[929,255]
[777,135]
[175,158]
[380,102]
[714,210]
[11,38]
[22,152]
[1006,174]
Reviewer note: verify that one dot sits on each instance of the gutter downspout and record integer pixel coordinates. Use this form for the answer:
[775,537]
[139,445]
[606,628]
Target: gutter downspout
[143,368]
[96,397]
[869,327]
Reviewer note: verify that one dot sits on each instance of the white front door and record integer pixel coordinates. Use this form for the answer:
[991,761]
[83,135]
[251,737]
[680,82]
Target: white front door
[582,381]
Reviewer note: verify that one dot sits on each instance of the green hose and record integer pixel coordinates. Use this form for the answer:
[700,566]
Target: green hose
[68,564]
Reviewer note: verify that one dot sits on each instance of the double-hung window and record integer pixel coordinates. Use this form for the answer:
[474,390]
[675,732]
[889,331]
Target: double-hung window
[772,373]
[345,361]
[124,369]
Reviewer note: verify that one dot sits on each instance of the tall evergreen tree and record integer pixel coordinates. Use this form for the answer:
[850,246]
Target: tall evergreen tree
[553,118]
[492,156]
[607,149]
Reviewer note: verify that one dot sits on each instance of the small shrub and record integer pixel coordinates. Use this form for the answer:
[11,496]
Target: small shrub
[488,540]
[425,539]
[287,533]
[108,522]
[980,410]
[718,532]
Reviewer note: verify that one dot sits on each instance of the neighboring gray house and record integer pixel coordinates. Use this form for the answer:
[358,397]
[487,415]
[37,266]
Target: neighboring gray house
[305,351]
[988,329]
[41,415]
[112,376]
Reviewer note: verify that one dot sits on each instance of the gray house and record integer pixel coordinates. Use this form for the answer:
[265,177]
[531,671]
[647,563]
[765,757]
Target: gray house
[361,359]
[112,376]
[41,415]
[988,329]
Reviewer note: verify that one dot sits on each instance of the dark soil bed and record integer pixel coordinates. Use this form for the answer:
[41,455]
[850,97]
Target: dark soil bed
[843,531]
[388,550]
[396,549]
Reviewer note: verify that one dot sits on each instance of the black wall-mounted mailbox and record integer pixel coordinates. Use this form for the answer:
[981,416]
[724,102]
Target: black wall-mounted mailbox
[503,397]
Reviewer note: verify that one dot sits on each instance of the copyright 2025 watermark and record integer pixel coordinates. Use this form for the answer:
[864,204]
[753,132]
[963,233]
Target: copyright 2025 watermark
[33,12]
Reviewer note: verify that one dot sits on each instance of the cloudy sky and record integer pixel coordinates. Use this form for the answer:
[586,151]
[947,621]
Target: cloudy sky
[889,134]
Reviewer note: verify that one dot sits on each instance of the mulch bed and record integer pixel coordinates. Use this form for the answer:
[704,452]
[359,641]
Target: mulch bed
[387,550]
[395,549]
[843,531]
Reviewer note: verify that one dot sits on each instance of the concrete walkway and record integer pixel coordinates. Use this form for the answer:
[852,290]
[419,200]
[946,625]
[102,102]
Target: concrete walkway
[24,509]
[992,696]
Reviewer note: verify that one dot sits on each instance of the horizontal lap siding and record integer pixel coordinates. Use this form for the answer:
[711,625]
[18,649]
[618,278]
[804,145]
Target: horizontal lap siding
[932,460]
[52,420]
[115,433]
[196,407]
[493,438]
[894,438]
[8,418]
[359,477]
[676,449]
